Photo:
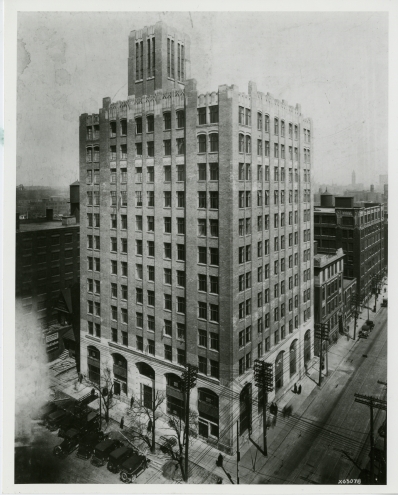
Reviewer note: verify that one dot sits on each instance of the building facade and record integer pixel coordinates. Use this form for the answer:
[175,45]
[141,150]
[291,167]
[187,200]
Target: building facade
[47,281]
[197,238]
[358,230]
[328,292]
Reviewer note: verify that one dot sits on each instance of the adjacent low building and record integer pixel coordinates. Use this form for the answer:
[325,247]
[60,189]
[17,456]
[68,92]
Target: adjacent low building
[359,231]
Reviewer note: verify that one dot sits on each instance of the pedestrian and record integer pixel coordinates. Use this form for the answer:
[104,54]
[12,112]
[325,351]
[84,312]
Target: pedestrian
[149,427]
[289,411]
[268,422]
[299,389]
[131,402]
[93,391]
[80,378]
[306,368]
[220,460]
[122,423]
[295,388]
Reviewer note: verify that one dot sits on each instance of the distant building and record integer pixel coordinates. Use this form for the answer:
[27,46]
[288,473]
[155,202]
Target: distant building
[48,280]
[349,291]
[365,196]
[359,231]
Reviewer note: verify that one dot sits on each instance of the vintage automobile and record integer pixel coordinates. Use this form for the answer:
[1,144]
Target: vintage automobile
[133,467]
[83,423]
[55,419]
[118,456]
[384,303]
[103,450]
[370,324]
[70,443]
[88,442]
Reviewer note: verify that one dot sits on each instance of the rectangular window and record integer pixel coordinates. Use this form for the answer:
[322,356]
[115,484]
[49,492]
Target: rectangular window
[167,302]
[214,228]
[167,250]
[181,252]
[202,171]
[202,254]
[202,365]
[139,342]
[202,115]
[180,225]
[214,200]
[214,313]
[180,199]
[203,338]
[202,310]
[150,223]
[214,256]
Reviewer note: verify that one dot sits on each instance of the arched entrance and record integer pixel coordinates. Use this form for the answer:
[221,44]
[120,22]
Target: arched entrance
[307,346]
[174,395]
[147,385]
[93,364]
[245,402]
[279,371]
[293,358]
[208,407]
[119,374]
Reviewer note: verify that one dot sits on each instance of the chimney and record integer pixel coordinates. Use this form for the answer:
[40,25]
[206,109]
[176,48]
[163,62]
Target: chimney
[17,221]
[49,214]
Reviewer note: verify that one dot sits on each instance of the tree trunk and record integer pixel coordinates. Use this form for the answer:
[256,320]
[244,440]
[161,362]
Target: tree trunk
[153,433]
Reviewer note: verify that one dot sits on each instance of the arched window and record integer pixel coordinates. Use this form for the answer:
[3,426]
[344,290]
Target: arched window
[213,142]
[166,121]
[123,127]
[245,405]
[93,364]
[150,123]
[202,143]
[180,119]
[241,143]
[259,121]
[293,358]
[276,127]
[248,144]
[138,125]
[147,390]
[120,374]
[146,370]
[174,395]
[279,371]
[307,346]
[112,129]
[266,123]
[208,407]
[89,154]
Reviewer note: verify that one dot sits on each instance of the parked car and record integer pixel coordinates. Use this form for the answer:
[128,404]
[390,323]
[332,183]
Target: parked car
[133,467]
[70,443]
[55,419]
[370,324]
[384,303]
[118,456]
[103,450]
[88,442]
[83,423]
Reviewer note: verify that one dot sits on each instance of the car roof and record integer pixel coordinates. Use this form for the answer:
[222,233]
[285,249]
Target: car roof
[57,414]
[72,433]
[91,415]
[105,444]
[133,461]
[120,451]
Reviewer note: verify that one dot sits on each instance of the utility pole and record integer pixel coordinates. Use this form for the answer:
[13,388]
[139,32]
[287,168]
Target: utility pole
[189,381]
[356,313]
[237,453]
[371,402]
[264,379]
[322,333]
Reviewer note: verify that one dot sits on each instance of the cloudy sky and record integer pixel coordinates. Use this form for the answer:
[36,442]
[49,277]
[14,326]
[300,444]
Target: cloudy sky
[334,64]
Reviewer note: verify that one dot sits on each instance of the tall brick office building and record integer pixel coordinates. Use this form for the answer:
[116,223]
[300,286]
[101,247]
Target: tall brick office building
[196,216]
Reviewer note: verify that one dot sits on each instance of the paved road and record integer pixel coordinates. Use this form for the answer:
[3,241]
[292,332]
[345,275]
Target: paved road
[331,421]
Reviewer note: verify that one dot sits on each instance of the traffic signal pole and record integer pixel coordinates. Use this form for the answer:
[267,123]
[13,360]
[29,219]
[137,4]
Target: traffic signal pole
[189,381]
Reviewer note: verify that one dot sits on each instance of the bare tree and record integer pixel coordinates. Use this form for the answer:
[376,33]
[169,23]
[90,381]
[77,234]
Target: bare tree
[145,417]
[104,385]
[178,436]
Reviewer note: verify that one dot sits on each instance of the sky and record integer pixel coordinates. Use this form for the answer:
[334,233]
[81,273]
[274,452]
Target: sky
[335,64]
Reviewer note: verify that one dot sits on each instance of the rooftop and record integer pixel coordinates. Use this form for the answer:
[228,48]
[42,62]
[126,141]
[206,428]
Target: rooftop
[323,259]
[46,225]
[348,281]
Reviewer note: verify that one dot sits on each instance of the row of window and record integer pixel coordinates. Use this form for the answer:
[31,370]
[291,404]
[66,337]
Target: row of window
[245,197]
[245,119]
